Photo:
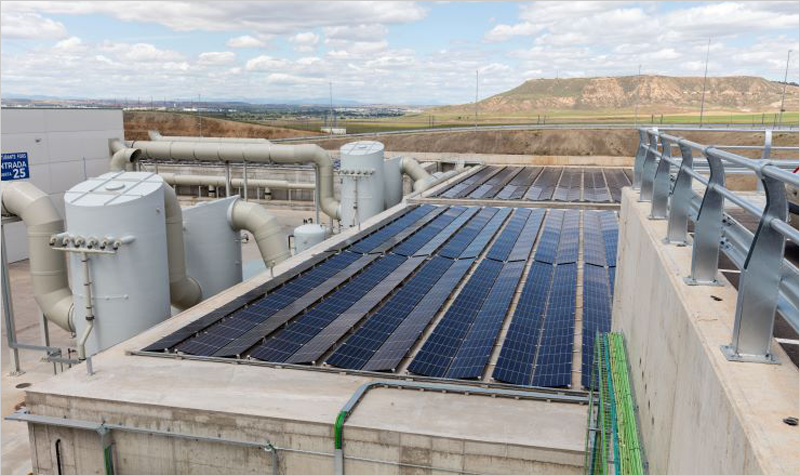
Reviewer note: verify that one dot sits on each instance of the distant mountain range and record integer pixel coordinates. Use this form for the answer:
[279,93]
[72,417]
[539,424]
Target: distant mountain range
[653,93]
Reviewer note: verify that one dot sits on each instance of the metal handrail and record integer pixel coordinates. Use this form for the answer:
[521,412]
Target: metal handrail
[759,256]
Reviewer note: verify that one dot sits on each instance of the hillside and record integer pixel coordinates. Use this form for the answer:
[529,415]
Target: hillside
[655,94]
[137,123]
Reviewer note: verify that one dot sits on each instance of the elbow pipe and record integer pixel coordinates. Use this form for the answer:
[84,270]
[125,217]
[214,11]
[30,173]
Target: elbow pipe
[184,290]
[422,179]
[264,227]
[263,153]
[48,267]
[122,157]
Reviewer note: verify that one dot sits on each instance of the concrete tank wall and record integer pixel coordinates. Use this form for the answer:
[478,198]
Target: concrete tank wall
[699,413]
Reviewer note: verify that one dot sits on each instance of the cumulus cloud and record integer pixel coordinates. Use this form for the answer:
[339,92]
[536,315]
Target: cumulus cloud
[305,42]
[246,41]
[505,32]
[30,25]
[265,63]
[216,57]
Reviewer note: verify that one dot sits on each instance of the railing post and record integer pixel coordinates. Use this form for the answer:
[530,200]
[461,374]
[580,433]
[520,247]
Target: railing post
[649,168]
[681,200]
[658,210]
[759,282]
[638,162]
[708,227]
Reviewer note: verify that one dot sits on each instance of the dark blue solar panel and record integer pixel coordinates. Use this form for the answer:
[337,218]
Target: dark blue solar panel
[570,237]
[596,315]
[230,328]
[360,347]
[612,275]
[594,251]
[544,186]
[372,241]
[435,356]
[474,353]
[610,229]
[554,356]
[548,243]
[436,242]
[502,246]
[515,364]
[287,341]
[569,188]
[477,245]
[522,248]
[426,233]
[478,192]
[466,235]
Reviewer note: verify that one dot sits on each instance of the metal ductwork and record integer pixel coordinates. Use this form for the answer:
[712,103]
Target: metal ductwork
[265,229]
[48,267]
[184,291]
[262,153]
[216,181]
[421,178]
[156,136]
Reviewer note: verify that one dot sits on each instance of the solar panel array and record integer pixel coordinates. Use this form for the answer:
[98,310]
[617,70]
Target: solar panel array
[564,184]
[429,292]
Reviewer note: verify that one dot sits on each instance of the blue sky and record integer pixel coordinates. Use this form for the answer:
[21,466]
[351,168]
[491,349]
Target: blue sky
[376,52]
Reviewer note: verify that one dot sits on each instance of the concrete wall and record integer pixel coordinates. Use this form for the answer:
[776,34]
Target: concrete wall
[64,146]
[699,413]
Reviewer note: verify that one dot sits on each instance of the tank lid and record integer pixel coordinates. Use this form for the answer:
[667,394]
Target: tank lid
[113,188]
[362,147]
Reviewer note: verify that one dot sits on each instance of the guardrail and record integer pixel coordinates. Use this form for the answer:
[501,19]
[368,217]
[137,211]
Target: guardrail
[531,127]
[768,282]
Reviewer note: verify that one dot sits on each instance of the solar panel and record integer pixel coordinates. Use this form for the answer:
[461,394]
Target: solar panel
[478,192]
[594,186]
[267,306]
[389,355]
[499,181]
[453,190]
[612,275]
[475,248]
[569,188]
[523,181]
[427,232]
[515,364]
[372,241]
[548,243]
[288,340]
[474,353]
[360,347]
[522,248]
[467,234]
[544,186]
[328,336]
[596,315]
[569,238]
[554,356]
[593,246]
[434,243]
[506,192]
[249,335]
[486,174]
[436,354]
[616,179]
[610,229]
[502,246]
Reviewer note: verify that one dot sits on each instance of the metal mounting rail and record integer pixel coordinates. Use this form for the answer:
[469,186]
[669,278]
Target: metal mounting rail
[768,282]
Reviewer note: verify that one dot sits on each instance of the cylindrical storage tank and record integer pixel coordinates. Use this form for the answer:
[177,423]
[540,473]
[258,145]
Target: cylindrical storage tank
[130,287]
[362,173]
[306,236]
[213,248]
[392,182]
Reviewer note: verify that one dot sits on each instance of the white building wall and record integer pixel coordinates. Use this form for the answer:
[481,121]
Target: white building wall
[64,146]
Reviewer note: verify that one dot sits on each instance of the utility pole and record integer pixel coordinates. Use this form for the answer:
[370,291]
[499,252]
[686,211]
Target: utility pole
[476,99]
[638,92]
[200,118]
[785,79]
[705,78]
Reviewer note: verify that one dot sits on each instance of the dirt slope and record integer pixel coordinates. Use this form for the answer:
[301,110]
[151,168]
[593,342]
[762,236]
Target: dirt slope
[137,123]
[660,94]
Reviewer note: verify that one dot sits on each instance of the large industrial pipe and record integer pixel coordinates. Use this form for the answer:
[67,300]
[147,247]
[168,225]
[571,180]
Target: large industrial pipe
[213,180]
[184,291]
[48,267]
[122,157]
[232,152]
[422,179]
[156,136]
[264,227]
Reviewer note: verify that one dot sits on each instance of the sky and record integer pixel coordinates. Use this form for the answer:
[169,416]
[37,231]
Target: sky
[376,52]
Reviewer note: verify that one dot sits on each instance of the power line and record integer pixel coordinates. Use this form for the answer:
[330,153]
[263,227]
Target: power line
[705,78]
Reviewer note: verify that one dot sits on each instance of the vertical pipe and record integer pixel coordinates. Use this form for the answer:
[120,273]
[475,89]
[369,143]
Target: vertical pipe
[244,178]
[227,179]
[316,194]
[45,328]
[8,308]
